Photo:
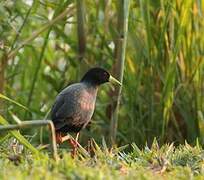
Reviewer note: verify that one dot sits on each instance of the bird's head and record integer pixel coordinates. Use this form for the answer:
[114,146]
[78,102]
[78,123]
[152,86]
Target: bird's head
[97,76]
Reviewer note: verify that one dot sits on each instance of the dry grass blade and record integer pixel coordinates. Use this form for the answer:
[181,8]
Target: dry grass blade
[28,124]
[19,137]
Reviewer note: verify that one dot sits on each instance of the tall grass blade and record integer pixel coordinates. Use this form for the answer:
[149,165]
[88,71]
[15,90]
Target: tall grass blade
[14,102]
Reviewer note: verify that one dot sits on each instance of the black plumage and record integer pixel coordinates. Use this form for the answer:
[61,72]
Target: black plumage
[74,106]
[69,113]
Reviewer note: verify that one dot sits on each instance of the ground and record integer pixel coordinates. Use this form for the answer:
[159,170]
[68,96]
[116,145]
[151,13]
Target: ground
[165,162]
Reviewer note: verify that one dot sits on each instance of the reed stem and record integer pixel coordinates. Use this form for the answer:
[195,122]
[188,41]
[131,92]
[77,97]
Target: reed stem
[123,13]
[81,28]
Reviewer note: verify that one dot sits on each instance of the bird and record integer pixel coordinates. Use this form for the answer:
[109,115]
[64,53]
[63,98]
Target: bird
[74,106]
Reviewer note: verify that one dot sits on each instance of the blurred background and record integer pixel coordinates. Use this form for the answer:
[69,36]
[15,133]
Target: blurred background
[46,45]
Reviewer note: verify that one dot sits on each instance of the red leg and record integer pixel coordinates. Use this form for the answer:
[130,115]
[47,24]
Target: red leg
[74,144]
[58,137]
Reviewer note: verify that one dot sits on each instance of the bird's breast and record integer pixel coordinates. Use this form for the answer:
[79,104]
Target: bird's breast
[87,100]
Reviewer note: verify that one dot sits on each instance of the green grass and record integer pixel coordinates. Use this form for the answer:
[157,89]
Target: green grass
[166,162]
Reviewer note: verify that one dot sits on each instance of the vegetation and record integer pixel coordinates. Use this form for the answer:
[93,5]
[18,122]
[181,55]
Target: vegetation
[185,162]
[155,47]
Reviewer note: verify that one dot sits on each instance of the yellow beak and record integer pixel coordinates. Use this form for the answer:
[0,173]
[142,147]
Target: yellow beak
[113,80]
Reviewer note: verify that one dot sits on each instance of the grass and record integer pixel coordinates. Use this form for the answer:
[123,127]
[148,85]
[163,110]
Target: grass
[166,162]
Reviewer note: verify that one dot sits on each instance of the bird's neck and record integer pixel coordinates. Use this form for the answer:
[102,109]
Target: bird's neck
[91,87]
